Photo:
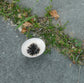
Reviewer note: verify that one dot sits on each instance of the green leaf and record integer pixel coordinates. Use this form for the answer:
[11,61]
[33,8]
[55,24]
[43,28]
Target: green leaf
[77,58]
[65,23]
[51,0]
[37,0]
[57,24]
[79,44]
[27,19]
[15,1]
[76,41]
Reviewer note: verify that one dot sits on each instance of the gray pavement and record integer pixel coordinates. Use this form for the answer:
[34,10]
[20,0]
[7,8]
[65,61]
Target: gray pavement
[15,68]
[51,68]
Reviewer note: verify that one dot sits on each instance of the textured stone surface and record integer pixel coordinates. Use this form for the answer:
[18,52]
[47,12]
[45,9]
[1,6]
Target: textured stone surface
[54,68]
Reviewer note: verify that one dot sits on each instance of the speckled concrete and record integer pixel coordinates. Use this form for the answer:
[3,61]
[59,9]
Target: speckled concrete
[54,68]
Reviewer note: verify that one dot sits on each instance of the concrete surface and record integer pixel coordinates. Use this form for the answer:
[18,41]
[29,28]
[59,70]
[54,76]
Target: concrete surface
[15,68]
[54,68]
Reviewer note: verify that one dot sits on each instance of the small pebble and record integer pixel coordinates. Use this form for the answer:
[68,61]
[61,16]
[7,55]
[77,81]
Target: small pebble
[70,64]
[16,36]
[20,28]
[73,47]
[12,24]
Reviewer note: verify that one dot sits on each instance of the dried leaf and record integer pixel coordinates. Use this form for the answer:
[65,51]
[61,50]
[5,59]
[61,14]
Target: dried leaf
[24,30]
[74,62]
[83,40]
[27,24]
[25,14]
[32,19]
[18,10]
[19,16]
[54,14]
[72,50]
